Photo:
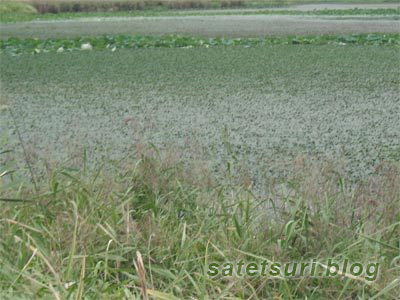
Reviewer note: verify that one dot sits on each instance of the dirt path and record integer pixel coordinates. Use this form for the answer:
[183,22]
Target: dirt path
[232,26]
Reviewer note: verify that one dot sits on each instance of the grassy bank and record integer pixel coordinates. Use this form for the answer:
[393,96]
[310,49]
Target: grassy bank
[16,11]
[62,6]
[387,13]
[78,234]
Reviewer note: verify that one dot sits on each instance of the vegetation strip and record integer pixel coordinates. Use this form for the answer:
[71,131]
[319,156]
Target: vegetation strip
[27,15]
[149,227]
[16,46]
[62,6]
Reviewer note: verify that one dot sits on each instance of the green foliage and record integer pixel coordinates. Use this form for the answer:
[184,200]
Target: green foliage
[60,6]
[16,8]
[15,46]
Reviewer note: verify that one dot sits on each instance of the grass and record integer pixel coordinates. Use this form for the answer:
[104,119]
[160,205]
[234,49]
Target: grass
[16,8]
[83,234]
[380,12]
[22,10]
[61,6]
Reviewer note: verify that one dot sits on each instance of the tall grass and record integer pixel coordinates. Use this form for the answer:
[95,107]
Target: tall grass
[60,6]
[26,7]
[16,8]
[149,229]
